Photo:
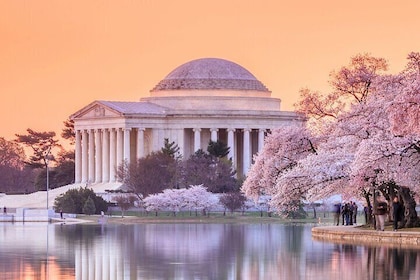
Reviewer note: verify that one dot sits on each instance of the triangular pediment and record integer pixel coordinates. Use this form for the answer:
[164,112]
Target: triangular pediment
[96,110]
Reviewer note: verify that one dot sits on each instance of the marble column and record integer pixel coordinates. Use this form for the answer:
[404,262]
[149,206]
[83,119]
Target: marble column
[140,143]
[120,147]
[181,140]
[85,155]
[231,145]
[155,140]
[91,167]
[213,136]
[113,155]
[78,158]
[105,155]
[197,139]
[98,156]
[127,145]
[261,133]
[247,150]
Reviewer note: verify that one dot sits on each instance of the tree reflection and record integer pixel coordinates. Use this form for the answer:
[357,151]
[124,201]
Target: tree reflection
[392,263]
[196,251]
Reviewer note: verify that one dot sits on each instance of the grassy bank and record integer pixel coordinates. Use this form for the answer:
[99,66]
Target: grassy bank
[220,218]
[187,217]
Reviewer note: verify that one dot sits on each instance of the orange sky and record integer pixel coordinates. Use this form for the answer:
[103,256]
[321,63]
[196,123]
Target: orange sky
[58,56]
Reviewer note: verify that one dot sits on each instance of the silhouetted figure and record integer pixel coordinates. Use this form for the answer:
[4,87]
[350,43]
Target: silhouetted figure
[337,211]
[351,209]
[354,213]
[396,211]
[381,211]
[367,213]
[345,212]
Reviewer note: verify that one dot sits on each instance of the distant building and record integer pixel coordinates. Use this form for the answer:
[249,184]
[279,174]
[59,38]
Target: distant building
[201,100]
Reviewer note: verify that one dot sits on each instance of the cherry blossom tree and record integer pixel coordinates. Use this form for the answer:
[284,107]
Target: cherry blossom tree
[351,84]
[197,198]
[282,150]
[175,200]
[395,150]
[405,111]
[263,204]
[359,147]
[154,203]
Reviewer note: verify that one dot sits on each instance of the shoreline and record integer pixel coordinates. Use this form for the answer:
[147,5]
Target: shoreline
[183,220]
[354,235]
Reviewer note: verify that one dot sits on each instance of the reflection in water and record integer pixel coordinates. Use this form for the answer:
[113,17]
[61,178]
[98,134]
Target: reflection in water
[191,251]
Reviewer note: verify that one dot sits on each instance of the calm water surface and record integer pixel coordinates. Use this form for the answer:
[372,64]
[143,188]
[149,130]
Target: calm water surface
[191,251]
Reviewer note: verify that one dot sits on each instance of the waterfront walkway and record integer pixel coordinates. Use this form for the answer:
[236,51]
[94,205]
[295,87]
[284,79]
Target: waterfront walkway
[39,199]
[357,235]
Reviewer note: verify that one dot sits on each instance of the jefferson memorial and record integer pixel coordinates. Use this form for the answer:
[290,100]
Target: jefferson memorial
[201,100]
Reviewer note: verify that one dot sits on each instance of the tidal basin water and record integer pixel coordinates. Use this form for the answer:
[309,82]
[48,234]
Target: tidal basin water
[191,251]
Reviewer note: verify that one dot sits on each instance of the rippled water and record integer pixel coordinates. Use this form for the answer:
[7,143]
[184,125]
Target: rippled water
[191,251]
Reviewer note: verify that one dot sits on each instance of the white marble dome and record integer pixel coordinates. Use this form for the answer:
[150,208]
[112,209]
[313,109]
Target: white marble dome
[210,74]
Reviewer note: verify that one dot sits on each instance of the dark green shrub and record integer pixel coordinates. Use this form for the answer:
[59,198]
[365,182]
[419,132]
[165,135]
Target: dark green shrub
[74,201]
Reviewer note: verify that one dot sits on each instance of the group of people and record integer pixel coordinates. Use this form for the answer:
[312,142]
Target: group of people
[382,211]
[348,212]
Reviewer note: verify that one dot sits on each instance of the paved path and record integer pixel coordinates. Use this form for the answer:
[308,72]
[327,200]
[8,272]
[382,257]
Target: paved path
[39,199]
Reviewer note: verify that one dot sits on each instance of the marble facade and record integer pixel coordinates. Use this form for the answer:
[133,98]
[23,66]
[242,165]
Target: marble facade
[201,100]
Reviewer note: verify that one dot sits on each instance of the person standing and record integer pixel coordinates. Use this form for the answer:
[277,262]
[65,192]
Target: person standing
[396,212]
[381,211]
[354,213]
[337,211]
[351,209]
[368,214]
[346,213]
[343,212]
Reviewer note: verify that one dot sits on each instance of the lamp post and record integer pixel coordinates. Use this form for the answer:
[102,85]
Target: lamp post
[46,160]
[48,180]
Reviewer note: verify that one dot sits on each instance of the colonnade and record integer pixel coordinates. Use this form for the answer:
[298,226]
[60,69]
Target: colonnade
[99,151]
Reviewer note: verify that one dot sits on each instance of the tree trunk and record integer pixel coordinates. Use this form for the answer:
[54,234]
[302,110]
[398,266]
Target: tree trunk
[369,209]
[410,214]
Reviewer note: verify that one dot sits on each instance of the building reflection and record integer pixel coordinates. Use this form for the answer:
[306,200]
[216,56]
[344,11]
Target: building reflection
[193,251]
[30,251]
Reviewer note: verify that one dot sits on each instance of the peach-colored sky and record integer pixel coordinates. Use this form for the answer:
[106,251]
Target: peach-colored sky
[58,56]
